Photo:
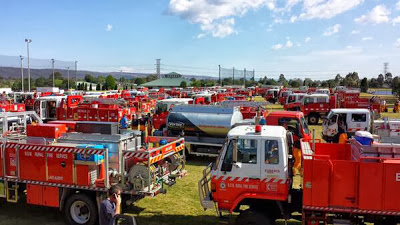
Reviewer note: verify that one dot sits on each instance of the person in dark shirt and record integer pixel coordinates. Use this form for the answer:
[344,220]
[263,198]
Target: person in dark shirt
[110,206]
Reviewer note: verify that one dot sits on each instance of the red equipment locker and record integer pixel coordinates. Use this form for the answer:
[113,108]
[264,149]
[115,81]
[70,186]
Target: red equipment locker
[92,114]
[343,189]
[42,195]
[371,186]
[46,130]
[32,165]
[103,115]
[69,124]
[34,194]
[60,167]
[391,186]
[320,184]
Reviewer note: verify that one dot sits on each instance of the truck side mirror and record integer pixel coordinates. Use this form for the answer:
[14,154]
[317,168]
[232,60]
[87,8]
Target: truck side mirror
[123,220]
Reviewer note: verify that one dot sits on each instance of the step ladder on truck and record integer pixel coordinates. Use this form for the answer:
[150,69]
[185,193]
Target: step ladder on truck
[59,170]
[254,170]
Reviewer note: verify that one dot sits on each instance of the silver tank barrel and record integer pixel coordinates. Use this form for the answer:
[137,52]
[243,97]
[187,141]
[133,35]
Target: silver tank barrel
[203,120]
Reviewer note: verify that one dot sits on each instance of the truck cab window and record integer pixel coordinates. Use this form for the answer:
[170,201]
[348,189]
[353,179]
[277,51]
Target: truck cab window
[358,118]
[271,152]
[227,163]
[247,151]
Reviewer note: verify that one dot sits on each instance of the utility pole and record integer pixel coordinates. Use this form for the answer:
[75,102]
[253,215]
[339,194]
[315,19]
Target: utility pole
[158,68]
[22,72]
[52,65]
[244,75]
[233,75]
[219,75]
[68,76]
[76,68]
[27,40]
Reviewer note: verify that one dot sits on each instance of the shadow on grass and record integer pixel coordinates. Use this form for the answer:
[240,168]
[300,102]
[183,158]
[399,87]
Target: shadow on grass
[24,214]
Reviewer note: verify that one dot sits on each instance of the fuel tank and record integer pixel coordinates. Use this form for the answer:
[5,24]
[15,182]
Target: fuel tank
[203,120]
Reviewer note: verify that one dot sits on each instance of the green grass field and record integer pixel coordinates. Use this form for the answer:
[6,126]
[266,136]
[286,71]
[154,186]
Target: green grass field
[179,206]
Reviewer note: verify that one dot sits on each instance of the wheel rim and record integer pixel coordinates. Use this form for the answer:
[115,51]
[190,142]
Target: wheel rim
[313,120]
[80,212]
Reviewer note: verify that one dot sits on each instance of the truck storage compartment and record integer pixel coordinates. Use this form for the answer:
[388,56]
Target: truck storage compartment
[351,177]
[97,127]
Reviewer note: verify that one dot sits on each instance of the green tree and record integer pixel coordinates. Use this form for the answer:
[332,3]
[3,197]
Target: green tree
[396,86]
[183,84]
[364,85]
[41,82]
[90,87]
[89,78]
[139,81]
[109,82]
[282,79]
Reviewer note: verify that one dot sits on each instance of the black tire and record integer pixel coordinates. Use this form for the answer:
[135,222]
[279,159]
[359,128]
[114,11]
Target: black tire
[88,207]
[250,217]
[313,119]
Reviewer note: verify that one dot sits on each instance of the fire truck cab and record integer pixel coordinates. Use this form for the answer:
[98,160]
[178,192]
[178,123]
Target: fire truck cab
[46,107]
[293,102]
[345,120]
[272,95]
[252,169]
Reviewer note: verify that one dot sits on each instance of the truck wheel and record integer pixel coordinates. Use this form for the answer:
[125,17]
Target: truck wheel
[250,217]
[313,119]
[80,209]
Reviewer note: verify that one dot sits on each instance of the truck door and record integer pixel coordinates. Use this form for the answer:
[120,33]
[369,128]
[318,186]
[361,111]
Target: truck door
[357,122]
[43,111]
[242,175]
[330,126]
[274,167]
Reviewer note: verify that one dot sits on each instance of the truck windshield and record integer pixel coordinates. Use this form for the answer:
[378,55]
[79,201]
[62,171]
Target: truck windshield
[305,126]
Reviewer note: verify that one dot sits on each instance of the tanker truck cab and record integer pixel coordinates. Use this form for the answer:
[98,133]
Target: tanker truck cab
[252,169]
[345,120]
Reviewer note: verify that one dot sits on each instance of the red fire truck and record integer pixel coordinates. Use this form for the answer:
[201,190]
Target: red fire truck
[73,171]
[106,110]
[293,102]
[254,169]
[317,106]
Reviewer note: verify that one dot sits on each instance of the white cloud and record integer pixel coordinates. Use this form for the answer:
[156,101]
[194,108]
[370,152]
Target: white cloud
[326,9]
[109,27]
[349,46]
[201,35]
[379,14]
[355,32]
[332,30]
[289,44]
[367,38]
[396,21]
[308,39]
[216,16]
[290,4]
[293,19]
[277,47]
[398,5]
[397,43]
[220,29]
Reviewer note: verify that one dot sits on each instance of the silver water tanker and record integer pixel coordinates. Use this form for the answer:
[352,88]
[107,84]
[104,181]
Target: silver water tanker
[203,120]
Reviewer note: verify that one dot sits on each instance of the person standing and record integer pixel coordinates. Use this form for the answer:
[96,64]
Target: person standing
[124,122]
[111,206]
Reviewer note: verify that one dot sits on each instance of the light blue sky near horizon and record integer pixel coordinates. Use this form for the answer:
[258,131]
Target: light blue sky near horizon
[145,30]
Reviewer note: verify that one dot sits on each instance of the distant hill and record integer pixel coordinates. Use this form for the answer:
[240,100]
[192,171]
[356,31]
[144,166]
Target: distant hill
[14,72]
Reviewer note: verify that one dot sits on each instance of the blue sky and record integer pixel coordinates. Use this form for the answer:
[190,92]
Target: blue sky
[300,38]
